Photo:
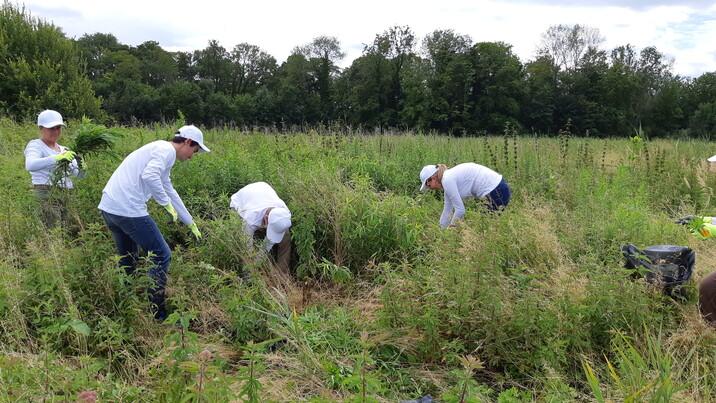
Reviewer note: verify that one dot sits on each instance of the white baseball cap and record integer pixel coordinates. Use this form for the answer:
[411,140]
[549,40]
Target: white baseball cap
[49,118]
[279,221]
[711,159]
[425,173]
[191,132]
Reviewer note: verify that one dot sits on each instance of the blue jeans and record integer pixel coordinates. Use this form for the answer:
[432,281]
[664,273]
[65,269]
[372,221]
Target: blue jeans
[499,197]
[132,233]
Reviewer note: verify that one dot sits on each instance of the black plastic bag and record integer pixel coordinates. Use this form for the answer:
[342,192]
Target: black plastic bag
[668,266]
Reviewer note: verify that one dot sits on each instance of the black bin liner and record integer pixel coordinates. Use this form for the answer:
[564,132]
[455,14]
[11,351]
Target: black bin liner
[668,266]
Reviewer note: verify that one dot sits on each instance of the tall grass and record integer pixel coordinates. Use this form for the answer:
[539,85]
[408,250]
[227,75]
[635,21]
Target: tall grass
[383,305]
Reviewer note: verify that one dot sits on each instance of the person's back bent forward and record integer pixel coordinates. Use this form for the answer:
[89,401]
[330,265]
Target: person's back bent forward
[264,213]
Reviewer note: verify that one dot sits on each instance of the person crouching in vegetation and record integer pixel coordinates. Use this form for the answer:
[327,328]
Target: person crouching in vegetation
[707,298]
[44,158]
[704,228]
[463,181]
[265,215]
[144,174]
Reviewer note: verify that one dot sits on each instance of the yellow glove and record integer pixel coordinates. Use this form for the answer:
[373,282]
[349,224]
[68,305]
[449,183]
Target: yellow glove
[195,231]
[705,231]
[170,209]
[67,155]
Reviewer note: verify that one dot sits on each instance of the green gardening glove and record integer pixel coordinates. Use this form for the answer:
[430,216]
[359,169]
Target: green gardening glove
[704,231]
[195,231]
[170,209]
[67,155]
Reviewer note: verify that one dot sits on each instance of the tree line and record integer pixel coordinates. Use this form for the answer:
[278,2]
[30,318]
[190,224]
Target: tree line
[445,83]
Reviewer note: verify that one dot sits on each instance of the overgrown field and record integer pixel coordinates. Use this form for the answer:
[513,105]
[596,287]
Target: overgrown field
[532,305]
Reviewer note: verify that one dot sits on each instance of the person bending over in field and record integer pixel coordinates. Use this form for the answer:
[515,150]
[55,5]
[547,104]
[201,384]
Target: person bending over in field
[265,215]
[42,158]
[704,228]
[144,174]
[463,181]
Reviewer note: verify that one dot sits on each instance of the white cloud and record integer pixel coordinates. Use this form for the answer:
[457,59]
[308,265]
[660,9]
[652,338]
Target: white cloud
[682,30]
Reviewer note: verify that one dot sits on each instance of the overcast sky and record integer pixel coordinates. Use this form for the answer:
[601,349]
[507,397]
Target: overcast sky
[683,30]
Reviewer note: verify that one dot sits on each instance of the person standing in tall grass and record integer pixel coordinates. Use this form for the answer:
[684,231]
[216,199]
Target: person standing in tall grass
[265,215]
[144,174]
[42,158]
[464,181]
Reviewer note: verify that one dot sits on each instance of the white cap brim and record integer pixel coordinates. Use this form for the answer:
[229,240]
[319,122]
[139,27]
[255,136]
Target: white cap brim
[49,125]
[203,147]
[712,159]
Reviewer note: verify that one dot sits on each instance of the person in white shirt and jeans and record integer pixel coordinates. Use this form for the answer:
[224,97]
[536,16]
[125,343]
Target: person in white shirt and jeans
[42,155]
[144,174]
[265,214]
[463,181]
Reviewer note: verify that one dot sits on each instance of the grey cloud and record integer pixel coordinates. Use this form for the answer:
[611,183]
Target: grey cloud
[128,30]
[54,13]
[633,4]
[135,32]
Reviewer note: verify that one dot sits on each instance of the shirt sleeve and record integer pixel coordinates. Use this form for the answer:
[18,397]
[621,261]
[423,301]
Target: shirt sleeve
[268,245]
[176,201]
[249,230]
[34,161]
[152,176]
[452,199]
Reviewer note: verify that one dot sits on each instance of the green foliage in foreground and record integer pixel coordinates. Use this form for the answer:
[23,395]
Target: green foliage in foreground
[529,305]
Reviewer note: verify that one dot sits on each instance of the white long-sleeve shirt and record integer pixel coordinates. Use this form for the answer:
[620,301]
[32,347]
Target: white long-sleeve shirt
[40,162]
[463,181]
[144,174]
[251,203]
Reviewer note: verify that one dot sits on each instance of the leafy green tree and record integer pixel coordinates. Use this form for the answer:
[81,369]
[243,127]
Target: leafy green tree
[416,109]
[219,109]
[364,89]
[541,92]
[703,122]
[186,66]
[157,66]
[324,52]
[666,112]
[696,92]
[213,64]
[448,79]
[96,50]
[182,96]
[581,101]
[496,89]
[251,68]
[40,68]
[397,45]
[297,100]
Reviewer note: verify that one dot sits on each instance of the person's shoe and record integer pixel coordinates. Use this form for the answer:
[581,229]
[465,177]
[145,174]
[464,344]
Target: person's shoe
[160,314]
[158,305]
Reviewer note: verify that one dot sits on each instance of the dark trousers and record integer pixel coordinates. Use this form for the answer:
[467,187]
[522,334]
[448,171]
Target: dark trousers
[499,197]
[53,208]
[132,233]
[281,252]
